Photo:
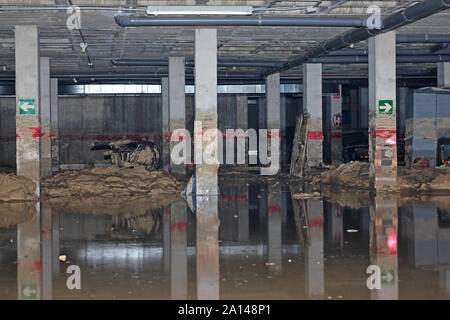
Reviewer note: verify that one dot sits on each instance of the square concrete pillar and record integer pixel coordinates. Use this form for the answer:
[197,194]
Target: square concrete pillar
[382,111]
[443,75]
[165,142]
[283,137]
[54,119]
[45,109]
[206,135]
[28,124]
[177,105]
[336,127]
[364,108]
[242,123]
[273,116]
[312,102]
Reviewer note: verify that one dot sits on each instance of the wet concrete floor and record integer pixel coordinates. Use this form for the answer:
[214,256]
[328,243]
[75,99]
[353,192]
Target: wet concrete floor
[264,245]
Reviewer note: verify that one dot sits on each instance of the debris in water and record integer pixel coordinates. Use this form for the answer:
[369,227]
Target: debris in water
[62,258]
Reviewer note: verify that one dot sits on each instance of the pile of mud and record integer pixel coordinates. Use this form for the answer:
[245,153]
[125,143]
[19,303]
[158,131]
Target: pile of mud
[418,180]
[16,188]
[353,174]
[111,182]
[13,213]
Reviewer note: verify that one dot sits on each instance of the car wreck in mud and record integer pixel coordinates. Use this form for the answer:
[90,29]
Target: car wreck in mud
[129,153]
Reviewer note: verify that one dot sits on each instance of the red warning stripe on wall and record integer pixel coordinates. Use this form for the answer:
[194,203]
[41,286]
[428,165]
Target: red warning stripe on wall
[314,135]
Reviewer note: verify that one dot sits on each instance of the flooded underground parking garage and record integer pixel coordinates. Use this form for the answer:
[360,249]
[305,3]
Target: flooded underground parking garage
[219,159]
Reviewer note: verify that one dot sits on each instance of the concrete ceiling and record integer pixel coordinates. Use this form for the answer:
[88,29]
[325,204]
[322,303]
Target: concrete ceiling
[107,40]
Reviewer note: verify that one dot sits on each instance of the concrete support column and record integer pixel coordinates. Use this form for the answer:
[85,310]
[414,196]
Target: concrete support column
[382,111]
[443,75]
[55,242]
[336,127]
[364,107]
[46,157]
[54,119]
[165,142]
[242,122]
[273,120]
[178,251]
[283,137]
[206,135]
[28,103]
[177,105]
[404,100]
[312,102]
[314,258]
[274,228]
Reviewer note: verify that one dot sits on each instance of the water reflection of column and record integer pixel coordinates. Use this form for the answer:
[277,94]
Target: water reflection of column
[207,249]
[336,224]
[274,227]
[243,213]
[166,239]
[47,253]
[178,250]
[29,258]
[55,242]
[383,246]
[314,262]
[262,213]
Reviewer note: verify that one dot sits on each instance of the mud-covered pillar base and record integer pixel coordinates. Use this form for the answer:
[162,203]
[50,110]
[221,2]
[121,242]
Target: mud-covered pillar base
[45,114]
[312,102]
[177,107]
[443,75]
[28,124]
[382,112]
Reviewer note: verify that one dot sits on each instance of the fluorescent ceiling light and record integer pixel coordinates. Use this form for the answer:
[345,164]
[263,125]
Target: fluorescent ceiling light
[199,10]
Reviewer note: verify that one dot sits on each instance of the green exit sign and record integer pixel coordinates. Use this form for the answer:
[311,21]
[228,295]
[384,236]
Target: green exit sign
[385,106]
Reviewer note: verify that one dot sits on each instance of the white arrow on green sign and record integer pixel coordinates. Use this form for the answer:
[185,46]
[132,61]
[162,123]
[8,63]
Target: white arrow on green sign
[29,291]
[27,106]
[385,106]
[388,276]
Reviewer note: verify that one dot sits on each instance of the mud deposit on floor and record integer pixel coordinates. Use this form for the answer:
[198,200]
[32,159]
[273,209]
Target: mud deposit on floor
[16,188]
[111,182]
[356,175]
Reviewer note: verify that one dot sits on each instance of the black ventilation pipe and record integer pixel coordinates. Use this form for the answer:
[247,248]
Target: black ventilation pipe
[164,63]
[258,21]
[394,21]
[399,52]
[423,38]
[365,59]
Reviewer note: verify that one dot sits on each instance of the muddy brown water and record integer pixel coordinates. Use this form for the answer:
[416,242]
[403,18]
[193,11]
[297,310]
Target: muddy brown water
[265,244]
